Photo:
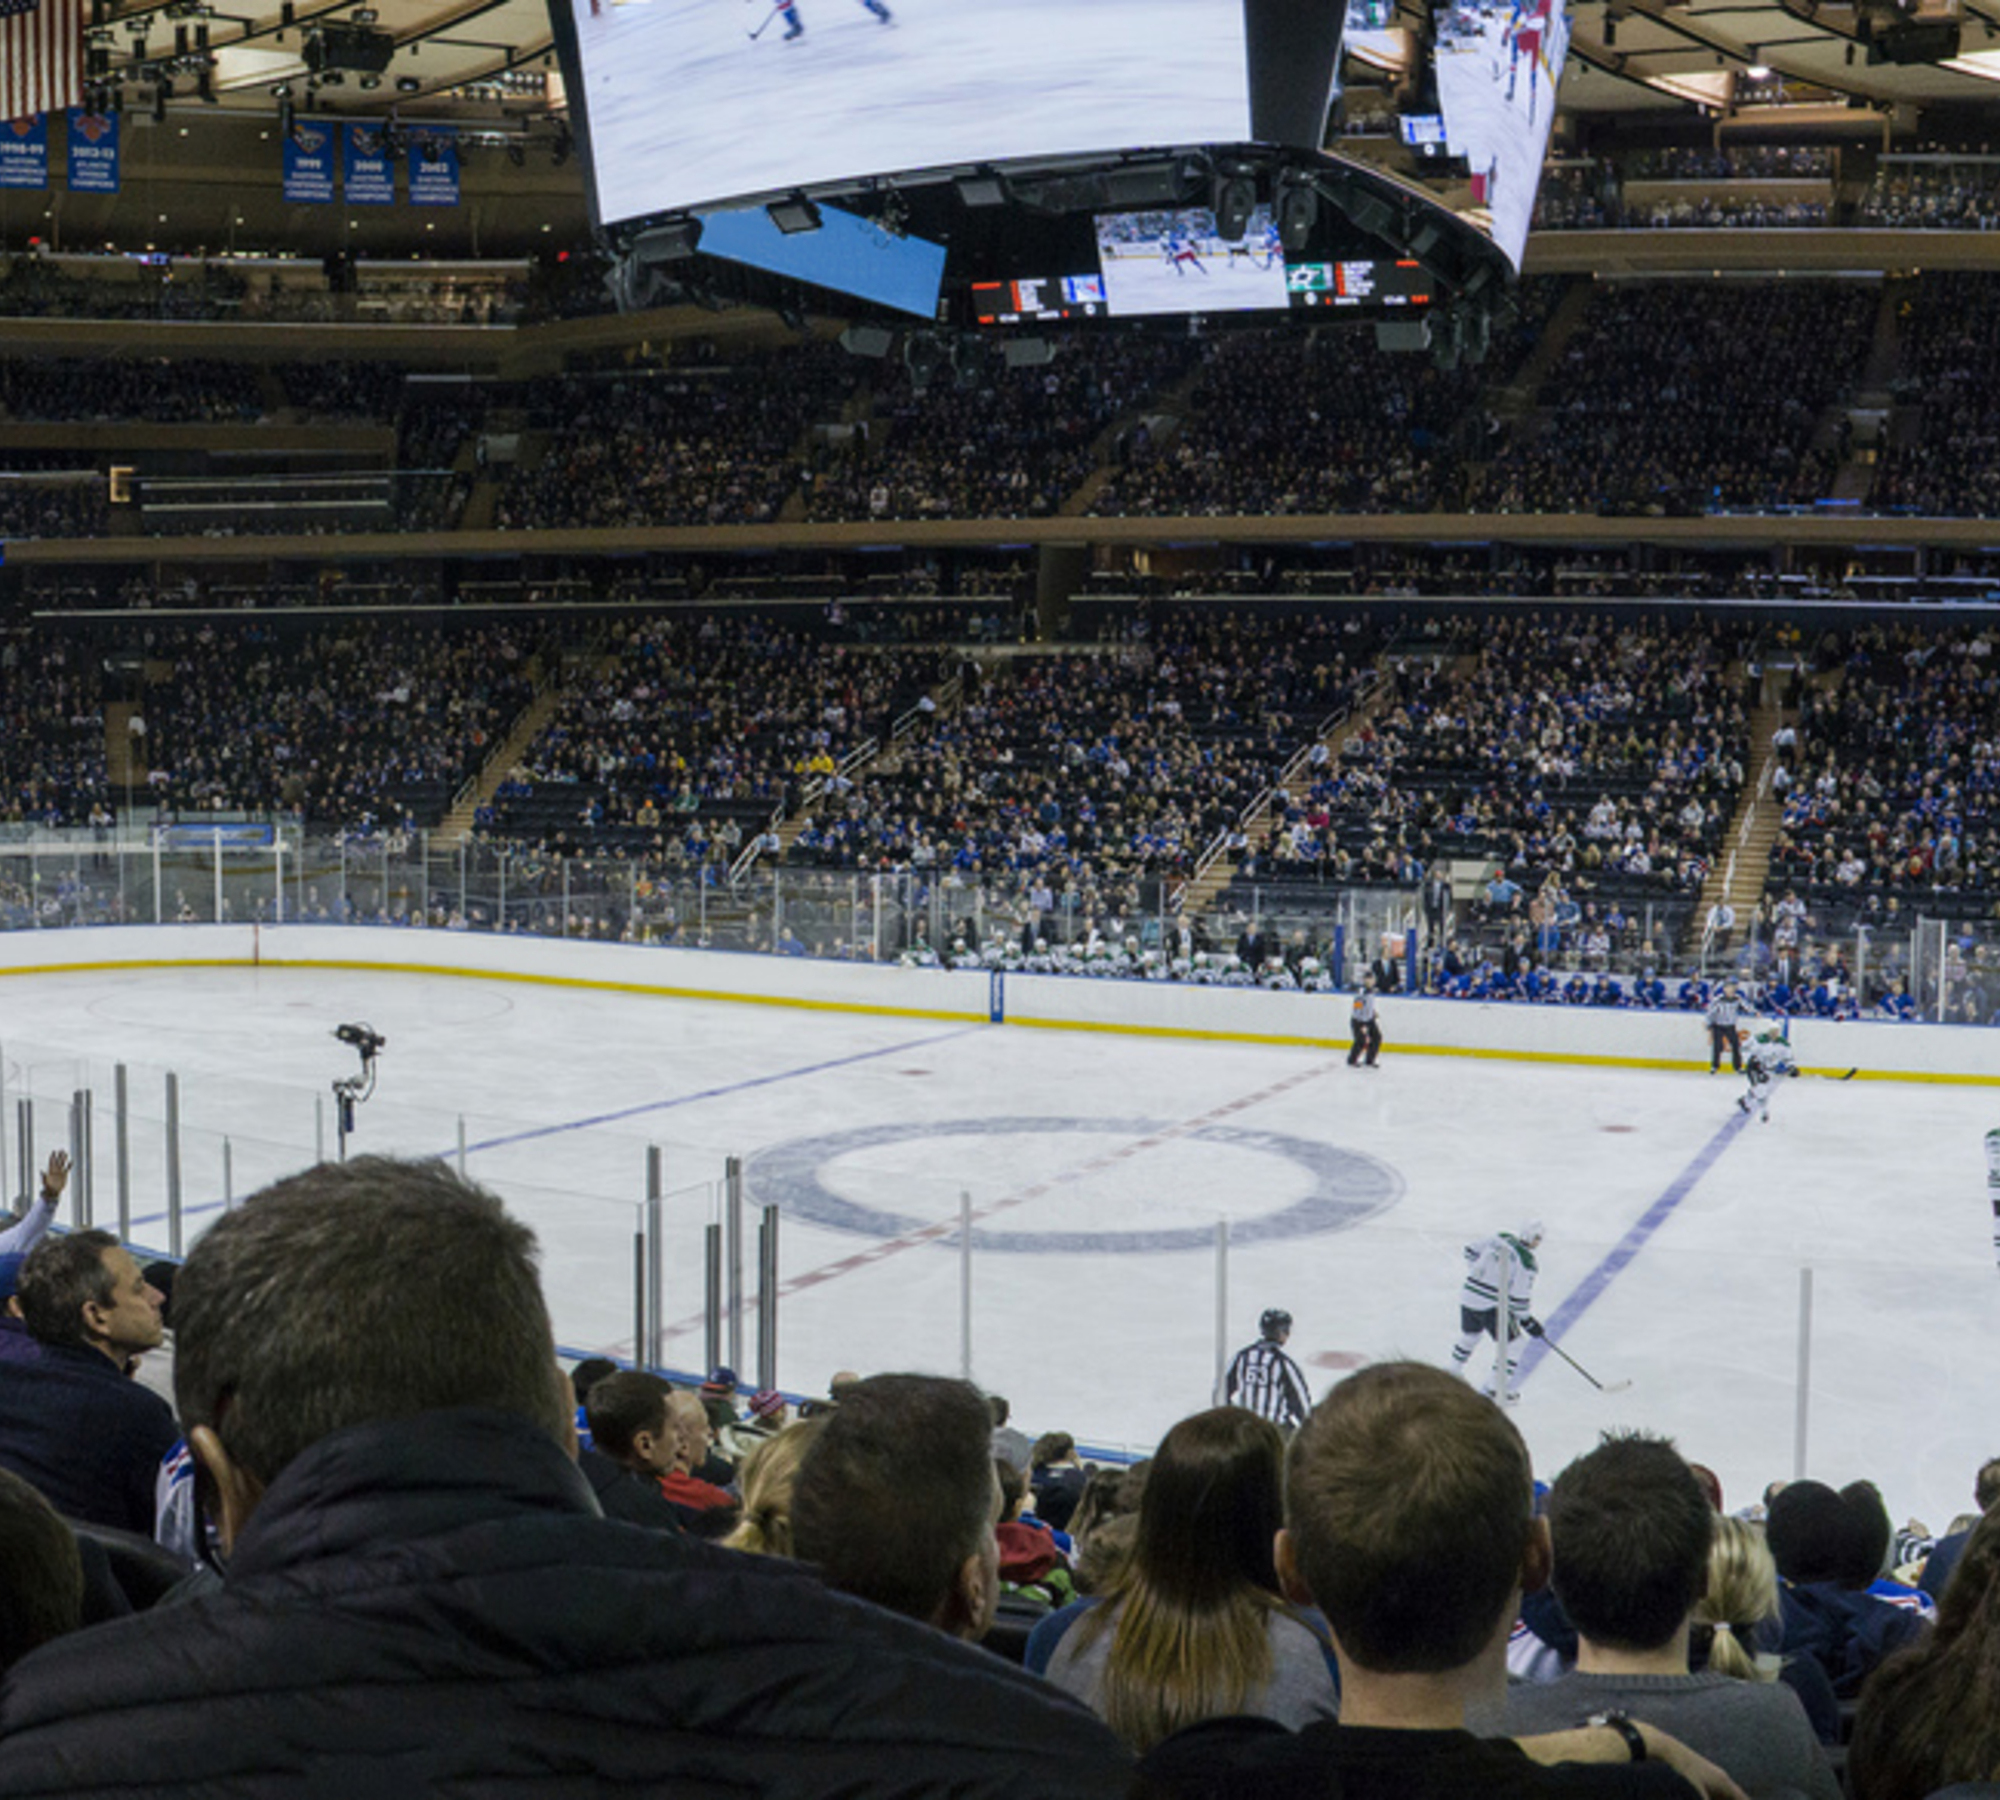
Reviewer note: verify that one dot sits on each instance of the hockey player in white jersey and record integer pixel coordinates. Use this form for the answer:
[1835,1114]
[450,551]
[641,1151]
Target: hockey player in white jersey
[1264,1380]
[1505,1263]
[1768,1058]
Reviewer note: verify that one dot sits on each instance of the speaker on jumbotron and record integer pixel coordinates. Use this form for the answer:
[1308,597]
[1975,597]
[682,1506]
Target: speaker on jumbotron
[348,47]
[1917,41]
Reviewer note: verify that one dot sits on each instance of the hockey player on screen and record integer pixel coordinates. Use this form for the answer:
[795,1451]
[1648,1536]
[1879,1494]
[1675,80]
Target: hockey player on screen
[1505,1260]
[788,11]
[1181,254]
[1525,30]
[1264,1380]
[1769,1057]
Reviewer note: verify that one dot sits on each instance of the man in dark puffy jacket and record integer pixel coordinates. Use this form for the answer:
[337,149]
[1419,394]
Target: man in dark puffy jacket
[422,1597]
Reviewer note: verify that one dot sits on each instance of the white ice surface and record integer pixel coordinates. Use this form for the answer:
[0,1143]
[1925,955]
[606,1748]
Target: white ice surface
[1879,1187]
[685,109]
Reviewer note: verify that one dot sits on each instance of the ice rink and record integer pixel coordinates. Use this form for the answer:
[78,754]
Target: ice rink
[1098,1165]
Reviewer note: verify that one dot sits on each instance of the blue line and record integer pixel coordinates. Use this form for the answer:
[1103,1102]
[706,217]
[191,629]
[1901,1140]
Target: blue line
[1593,1285]
[715,1093]
[651,1106]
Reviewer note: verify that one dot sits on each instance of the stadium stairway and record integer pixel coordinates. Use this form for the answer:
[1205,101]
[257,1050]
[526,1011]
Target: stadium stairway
[1871,406]
[1517,399]
[124,767]
[1737,879]
[1213,874]
[1160,413]
[457,824]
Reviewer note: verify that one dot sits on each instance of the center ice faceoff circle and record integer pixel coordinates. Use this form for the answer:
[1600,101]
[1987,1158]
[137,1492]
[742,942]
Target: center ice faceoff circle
[1343,1187]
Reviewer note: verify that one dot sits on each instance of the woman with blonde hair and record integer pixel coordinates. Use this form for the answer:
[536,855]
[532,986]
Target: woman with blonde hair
[1193,1626]
[1736,1615]
[766,1480]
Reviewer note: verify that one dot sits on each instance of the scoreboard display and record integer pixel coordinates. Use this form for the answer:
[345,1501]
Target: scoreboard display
[1365,282]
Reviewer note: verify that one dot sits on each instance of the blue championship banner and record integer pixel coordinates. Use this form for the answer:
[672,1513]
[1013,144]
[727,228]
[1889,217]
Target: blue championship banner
[309,162]
[369,171]
[93,152]
[24,152]
[434,165]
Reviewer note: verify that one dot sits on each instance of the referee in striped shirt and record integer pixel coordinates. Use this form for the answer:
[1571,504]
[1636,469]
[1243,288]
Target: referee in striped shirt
[1723,1012]
[1264,1380]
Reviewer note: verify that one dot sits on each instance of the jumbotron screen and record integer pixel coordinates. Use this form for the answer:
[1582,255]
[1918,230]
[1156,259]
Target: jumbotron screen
[685,103]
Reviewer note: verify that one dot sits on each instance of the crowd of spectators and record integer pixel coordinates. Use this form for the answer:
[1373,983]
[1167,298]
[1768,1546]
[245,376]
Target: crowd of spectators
[1712,212]
[983,440]
[1684,397]
[702,444]
[68,509]
[1889,809]
[1075,784]
[350,726]
[1950,364]
[158,390]
[1383,1602]
[1736,162]
[337,389]
[698,730]
[52,767]
[1575,197]
[1937,192]
[1286,422]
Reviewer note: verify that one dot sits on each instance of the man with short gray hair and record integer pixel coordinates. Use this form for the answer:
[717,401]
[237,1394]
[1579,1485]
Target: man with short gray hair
[422,1596]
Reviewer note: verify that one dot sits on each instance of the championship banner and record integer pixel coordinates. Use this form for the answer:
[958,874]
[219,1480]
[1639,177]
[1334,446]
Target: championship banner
[434,165]
[369,169]
[93,152]
[24,152]
[309,163]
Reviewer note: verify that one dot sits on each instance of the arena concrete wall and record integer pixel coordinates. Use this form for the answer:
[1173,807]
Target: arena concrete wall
[1444,1028]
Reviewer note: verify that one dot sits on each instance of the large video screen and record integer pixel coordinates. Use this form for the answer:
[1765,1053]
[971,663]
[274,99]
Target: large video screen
[689,102]
[1498,63]
[1173,262]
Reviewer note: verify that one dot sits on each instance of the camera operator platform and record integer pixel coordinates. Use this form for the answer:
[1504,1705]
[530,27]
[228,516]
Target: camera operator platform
[349,1092]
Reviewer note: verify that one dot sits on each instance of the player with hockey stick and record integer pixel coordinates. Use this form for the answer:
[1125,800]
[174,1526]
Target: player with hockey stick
[1770,1056]
[1181,254]
[1264,1380]
[788,10]
[1503,1264]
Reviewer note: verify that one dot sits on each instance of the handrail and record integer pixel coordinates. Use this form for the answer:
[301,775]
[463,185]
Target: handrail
[1217,848]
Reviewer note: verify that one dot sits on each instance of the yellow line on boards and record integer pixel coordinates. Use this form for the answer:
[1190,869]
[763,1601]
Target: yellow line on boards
[1280,1040]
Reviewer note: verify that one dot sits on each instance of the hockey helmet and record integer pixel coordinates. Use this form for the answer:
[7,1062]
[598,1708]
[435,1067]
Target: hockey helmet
[1275,1320]
[1531,1233]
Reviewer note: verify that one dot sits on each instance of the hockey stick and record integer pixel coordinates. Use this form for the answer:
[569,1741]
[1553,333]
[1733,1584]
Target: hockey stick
[1603,1387]
[761,29]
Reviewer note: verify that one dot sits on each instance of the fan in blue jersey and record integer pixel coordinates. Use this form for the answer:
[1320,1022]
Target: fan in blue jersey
[1502,1264]
[1264,1380]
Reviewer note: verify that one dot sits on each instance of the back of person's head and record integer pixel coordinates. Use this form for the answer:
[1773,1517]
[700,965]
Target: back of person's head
[359,1293]
[1816,1537]
[60,1277]
[1013,1487]
[1211,1507]
[1873,1531]
[621,1406]
[1629,1528]
[1930,1715]
[1189,1612]
[1409,1505]
[1001,1411]
[1742,1593]
[1051,1447]
[41,1574]
[896,1497]
[1109,1493]
[768,1478]
[588,1373]
[1986,1486]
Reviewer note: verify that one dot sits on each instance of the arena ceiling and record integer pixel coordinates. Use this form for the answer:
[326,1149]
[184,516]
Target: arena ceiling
[495,58]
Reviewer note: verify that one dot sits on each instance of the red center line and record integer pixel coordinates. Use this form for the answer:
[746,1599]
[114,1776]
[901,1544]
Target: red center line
[929,1234]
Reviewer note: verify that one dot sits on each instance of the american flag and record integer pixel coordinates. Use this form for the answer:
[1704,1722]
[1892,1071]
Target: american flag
[41,56]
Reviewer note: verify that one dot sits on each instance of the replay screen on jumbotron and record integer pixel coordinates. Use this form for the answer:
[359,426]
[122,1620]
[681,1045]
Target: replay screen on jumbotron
[688,102]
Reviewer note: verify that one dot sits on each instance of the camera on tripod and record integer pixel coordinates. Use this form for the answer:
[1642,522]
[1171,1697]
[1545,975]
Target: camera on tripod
[364,1038]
